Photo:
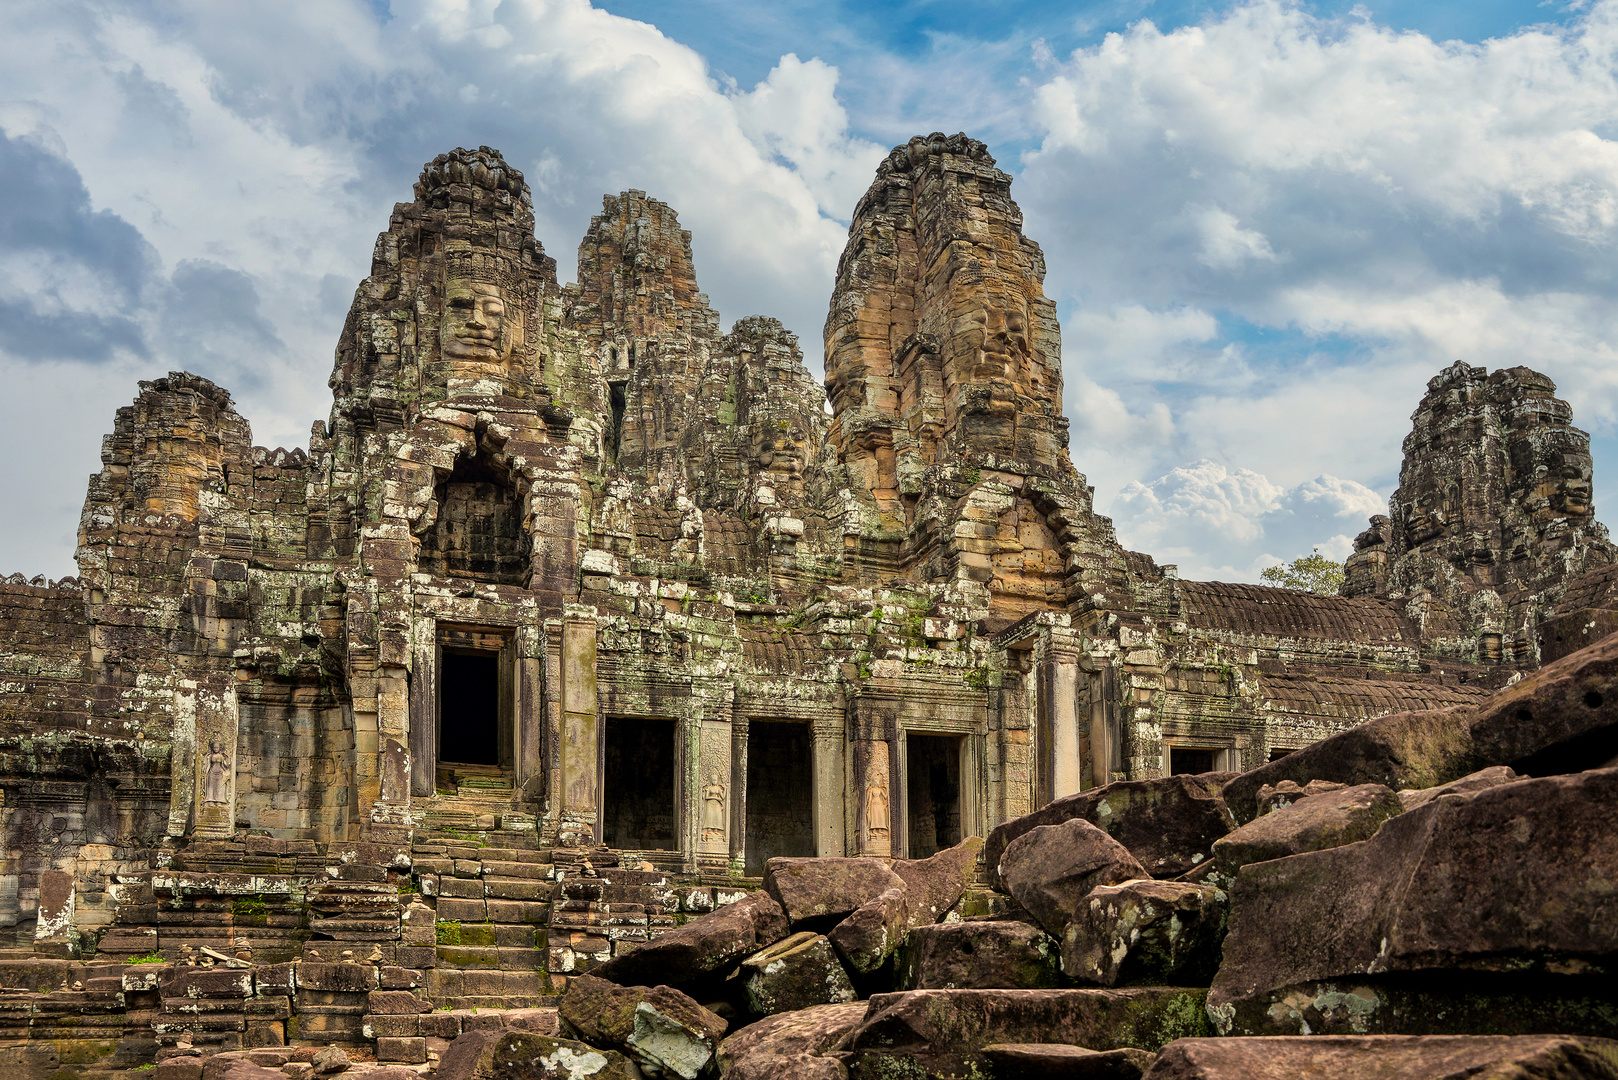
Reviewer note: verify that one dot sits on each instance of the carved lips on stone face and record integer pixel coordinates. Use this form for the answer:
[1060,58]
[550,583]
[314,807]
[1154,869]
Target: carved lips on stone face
[478,329]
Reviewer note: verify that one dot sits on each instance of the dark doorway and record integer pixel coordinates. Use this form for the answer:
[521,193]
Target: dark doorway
[469,711]
[638,786]
[932,793]
[1277,754]
[780,793]
[1190,759]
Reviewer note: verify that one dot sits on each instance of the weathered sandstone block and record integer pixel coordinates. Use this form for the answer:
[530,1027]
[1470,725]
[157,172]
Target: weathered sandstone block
[1168,824]
[1146,933]
[1331,819]
[1488,913]
[979,956]
[796,973]
[1389,1057]
[1049,869]
[704,945]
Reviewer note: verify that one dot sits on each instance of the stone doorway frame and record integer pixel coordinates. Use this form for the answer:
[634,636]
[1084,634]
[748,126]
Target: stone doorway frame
[974,781]
[427,698]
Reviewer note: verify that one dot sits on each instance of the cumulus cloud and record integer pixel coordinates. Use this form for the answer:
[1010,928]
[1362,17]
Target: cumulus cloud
[1219,523]
[1351,207]
[795,116]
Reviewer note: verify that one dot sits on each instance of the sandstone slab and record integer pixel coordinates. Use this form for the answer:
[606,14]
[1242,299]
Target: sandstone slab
[795,973]
[979,956]
[1049,869]
[702,946]
[1493,776]
[934,885]
[1487,913]
[657,1027]
[507,1054]
[1390,1057]
[1140,933]
[943,1032]
[1168,824]
[1328,820]
[873,931]
[817,894]
[790,1044]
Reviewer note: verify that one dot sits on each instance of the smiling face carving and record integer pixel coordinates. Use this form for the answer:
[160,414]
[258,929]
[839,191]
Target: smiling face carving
[478,330]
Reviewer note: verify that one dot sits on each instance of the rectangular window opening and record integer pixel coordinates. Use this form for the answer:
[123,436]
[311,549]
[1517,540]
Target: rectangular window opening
[932,793]
[780,793]
[1194,759]
[638,784]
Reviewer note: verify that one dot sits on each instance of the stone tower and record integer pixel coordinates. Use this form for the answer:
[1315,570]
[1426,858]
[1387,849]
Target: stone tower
[1492,515]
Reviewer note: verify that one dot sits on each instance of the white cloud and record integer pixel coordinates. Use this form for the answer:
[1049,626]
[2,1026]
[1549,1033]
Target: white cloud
[1351,209]
[794,115]
[1225,243]
[1217,523]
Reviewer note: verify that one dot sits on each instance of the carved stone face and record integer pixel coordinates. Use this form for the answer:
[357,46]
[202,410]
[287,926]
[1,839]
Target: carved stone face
[1569,493]
[478,329]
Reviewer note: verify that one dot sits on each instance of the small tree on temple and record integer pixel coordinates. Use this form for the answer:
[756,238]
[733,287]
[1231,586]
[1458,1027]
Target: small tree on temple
[1312,573]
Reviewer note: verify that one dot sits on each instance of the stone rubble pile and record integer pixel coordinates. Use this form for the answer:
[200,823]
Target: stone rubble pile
[1317,917]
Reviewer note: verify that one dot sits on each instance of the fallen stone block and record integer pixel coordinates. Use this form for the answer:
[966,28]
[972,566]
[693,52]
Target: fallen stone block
[979,956]
[1403,750]
[789,1046]
[1490,913]
[1274,797]
[934,885]
[873,931]
[1560,719]
[657,1027]
[1167,824]
[795,973]
[943,1032]
[817,894]
[330,1059]
[1390,1057]
[702,946]
[1321,821]
[1056,1061]
[1140,933]
[1493,776]
[524,1055]
[1049,869]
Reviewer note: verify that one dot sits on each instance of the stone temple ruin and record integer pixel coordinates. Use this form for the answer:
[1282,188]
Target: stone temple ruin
[578,605]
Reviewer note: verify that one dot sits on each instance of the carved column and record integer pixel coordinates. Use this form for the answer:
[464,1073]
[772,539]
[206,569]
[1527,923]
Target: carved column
[739,794]
[874,810]
[579,750]
[713,794]
[1060,687]
[217,724]
[832,795]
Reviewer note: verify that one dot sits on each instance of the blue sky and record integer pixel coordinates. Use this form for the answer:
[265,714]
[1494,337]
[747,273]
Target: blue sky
[1266,224]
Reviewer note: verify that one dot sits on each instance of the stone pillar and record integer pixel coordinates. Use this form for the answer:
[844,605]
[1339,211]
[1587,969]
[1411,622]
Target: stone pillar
[739,730]
[215,760]
[831,789]
[713,794]
[579,744]
[390,813]
[874,811]
[529,775]
[1060,686]
[424,719]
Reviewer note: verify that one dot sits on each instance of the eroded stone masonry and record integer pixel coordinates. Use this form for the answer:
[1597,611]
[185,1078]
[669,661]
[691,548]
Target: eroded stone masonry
[579,608]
